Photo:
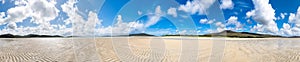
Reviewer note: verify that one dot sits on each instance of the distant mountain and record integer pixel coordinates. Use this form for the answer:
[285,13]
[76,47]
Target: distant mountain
[229,33]
[140,34]
[294,37]
[226,33]
[136,34]
[26,36]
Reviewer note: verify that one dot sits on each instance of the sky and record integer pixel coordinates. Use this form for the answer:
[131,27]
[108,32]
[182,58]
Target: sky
[157,17]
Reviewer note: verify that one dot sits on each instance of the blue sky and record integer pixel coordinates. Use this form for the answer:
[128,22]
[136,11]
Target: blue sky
[158,17]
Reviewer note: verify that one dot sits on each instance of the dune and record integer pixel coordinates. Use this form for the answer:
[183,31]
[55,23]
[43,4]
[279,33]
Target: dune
[149,49]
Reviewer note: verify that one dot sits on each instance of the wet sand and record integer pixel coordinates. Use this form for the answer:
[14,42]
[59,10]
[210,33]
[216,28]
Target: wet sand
[150,49]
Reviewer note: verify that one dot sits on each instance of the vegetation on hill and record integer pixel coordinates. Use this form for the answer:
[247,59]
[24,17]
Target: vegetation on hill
[229,33]
[26,36]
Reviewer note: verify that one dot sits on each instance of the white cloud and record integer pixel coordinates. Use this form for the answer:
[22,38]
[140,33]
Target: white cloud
[205,21]
[158,11]
[202,21]
[172,11]
[292,18]
[210,21]
[140,13]
[250,13]
[2,14]
[264,14]
[183,32]
[249,21]
[296,30]
[297,25]
[154,19]
[3,1]
[289,31]
[37,30]
[40,11]
[186,32]
[220,26]
[119,19]
[120,28]
[233,20]
[295,18]
[196,6]
[70,11]
[227,4]
[286,26]
[160,31]
[16,14]
[257,27]
[12,25]
[286,29]
[80,26]
[85,27]
[282,15]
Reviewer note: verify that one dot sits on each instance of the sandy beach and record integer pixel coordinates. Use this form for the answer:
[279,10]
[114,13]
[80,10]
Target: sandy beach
[150,49]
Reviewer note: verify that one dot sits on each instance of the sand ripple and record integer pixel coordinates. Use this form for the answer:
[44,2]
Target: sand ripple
[146,49]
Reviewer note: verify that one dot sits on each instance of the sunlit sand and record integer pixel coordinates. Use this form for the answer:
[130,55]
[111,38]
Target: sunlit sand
[148,49]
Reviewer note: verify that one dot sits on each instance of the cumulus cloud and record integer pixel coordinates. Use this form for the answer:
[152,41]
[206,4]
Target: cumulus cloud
[196,6]
[202,21]
[250,13]
[289,30]
[295,18]
[80,26]
[88,27]
[220,26]
[12,25]
[172,11]
[120,29]
[257,27]
[41,11]
[286,29]
[206,21]
[227,4]
[264,14]
[233,20]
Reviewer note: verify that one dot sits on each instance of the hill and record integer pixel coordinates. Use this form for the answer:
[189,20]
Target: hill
[140,34]
[229,33]
[26,36]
